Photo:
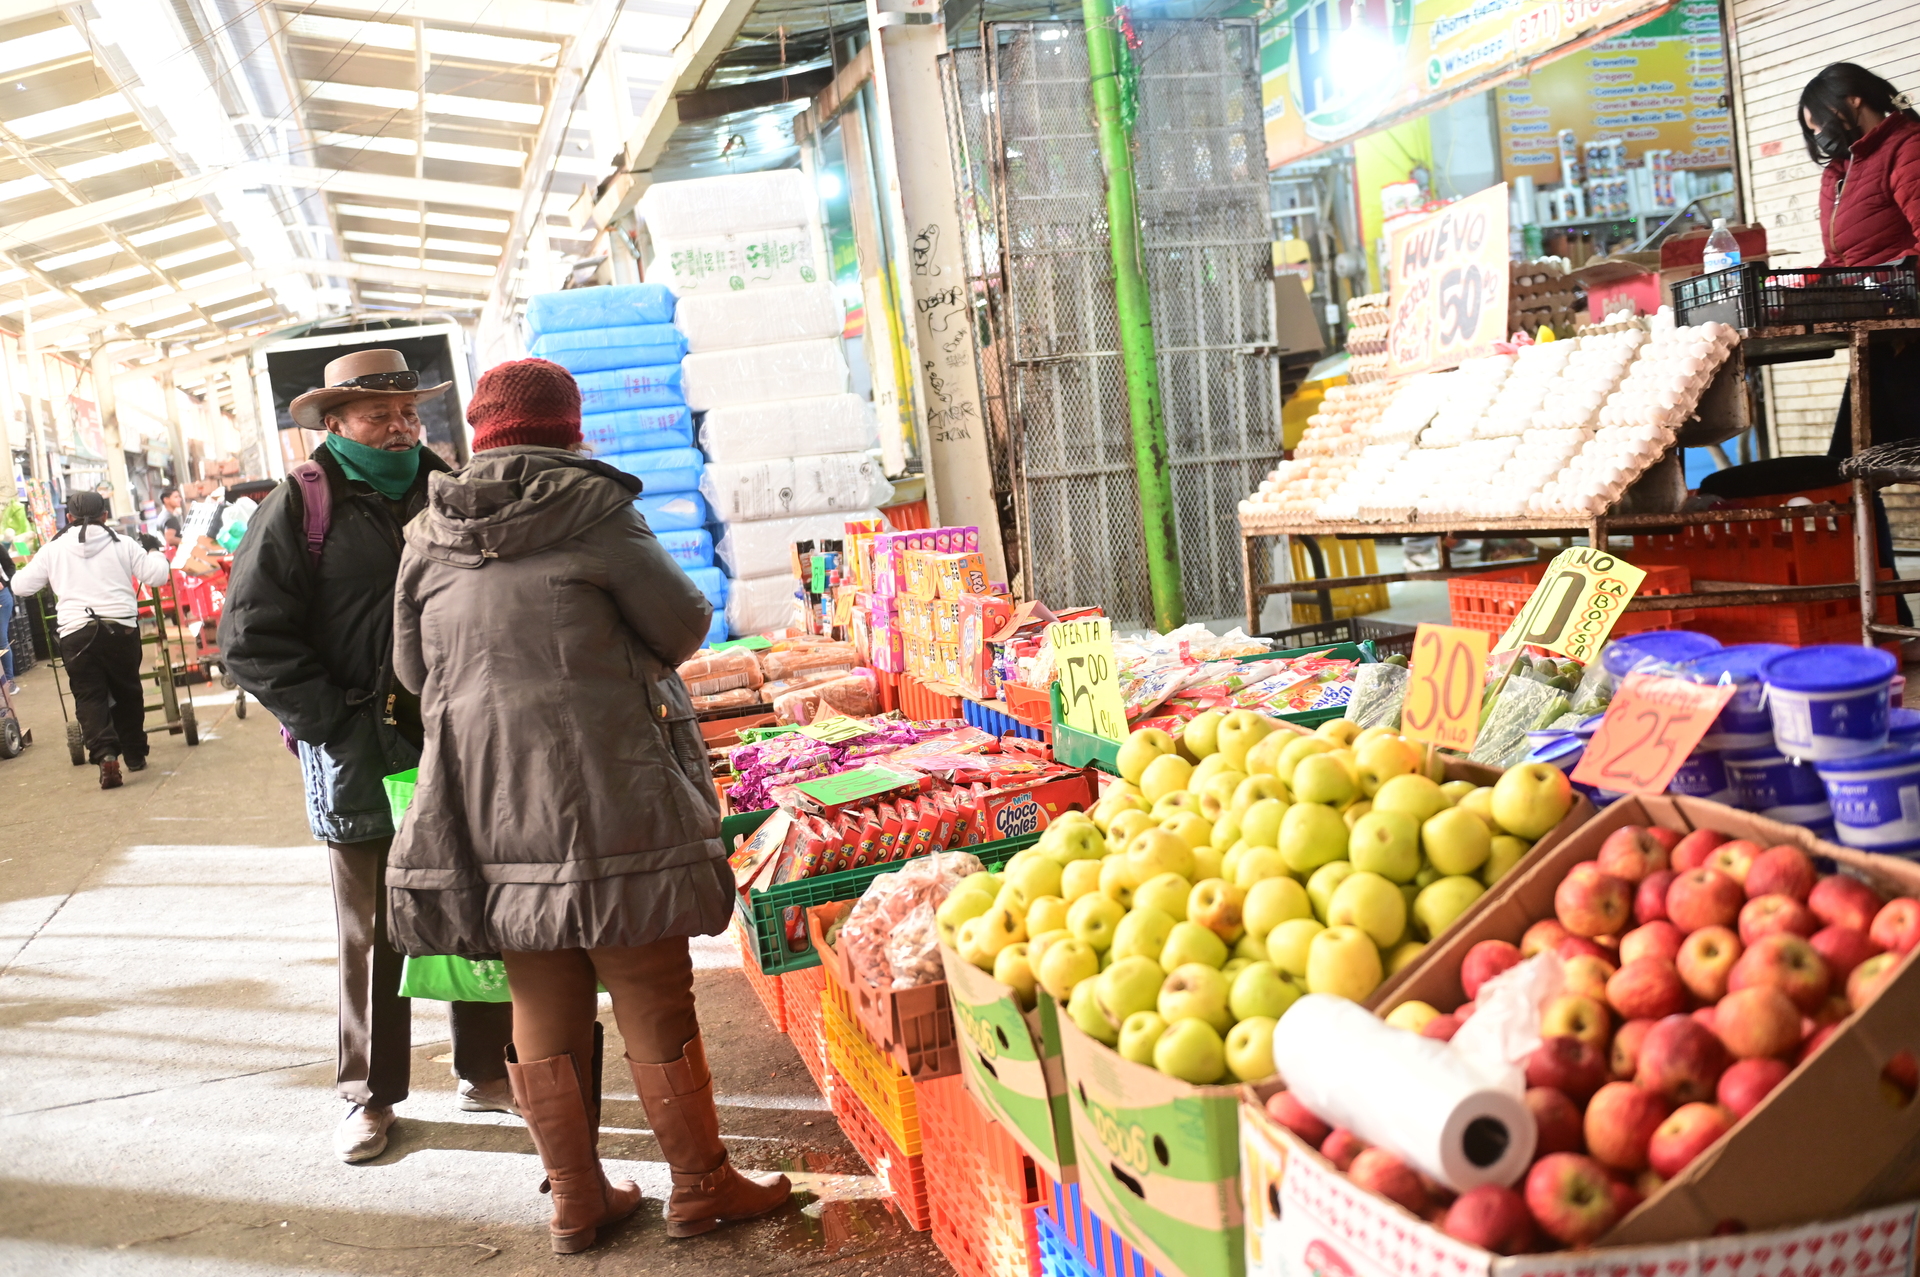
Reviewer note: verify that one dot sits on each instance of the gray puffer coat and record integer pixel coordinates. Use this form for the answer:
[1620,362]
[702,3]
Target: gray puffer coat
[564,800]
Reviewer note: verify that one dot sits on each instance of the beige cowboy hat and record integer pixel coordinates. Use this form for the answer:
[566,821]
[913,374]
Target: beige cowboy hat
[362,374]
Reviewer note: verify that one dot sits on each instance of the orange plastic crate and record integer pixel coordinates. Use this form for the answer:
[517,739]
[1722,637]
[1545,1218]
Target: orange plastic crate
[858,1066]
[801,992]
[771,992]
[1793,550]
[1031,705]
[903,1175]
[918,701]
[983,1189]
[887,685]
[1490,600]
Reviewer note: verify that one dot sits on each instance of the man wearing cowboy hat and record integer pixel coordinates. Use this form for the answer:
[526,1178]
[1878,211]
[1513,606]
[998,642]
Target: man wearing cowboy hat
[308,631]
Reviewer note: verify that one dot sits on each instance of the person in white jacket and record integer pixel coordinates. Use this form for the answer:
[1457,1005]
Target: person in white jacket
[93,570]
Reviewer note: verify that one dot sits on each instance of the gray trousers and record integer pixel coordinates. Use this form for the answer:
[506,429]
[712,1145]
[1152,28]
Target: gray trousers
[376,1023]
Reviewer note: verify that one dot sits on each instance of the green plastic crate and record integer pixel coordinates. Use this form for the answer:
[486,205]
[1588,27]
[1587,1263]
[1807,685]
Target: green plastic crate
[761,912]
[1076,748]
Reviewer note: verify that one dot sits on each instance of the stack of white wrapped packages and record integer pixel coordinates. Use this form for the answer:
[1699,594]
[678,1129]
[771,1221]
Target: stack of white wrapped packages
[788,447]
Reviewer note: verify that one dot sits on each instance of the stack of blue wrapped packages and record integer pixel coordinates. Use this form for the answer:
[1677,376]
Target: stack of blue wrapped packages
[621,346]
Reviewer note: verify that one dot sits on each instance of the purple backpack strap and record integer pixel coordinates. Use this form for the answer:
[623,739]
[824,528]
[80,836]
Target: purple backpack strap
[317,499]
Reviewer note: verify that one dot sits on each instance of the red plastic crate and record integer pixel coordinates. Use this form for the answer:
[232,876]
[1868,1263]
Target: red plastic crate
[800,993]
[769,988]
[887,685]
[1796,624]
[1490,600]
[908,516]
[1106,1253]
[903,1177]
[982,1188]
[1793,550]
[918,701]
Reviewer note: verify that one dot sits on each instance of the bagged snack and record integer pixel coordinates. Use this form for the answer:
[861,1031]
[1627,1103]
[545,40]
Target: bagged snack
[738,698]
[855,695]
[879,941]
[788,658]
[709,673]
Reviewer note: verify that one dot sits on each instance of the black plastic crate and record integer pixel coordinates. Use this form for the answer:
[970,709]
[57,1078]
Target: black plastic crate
[1754,295]
[1387,637]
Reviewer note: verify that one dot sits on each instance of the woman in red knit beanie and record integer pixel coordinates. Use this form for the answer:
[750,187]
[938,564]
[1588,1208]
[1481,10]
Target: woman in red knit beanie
[564,818]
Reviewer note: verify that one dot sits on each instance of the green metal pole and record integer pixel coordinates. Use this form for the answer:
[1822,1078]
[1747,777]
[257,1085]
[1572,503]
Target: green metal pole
[1135,313]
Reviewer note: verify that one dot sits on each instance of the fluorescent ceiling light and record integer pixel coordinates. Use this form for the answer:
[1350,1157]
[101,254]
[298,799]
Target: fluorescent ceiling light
[490,48]
[213,276]
[376,237]
[91,111]
[110,279]
[40,47]
[348,31]
[435,150]
[171,230]
[249,308]
[409,263]
[199,254]
[485,108]
[132,299]
[362,95]
[93,252]
[458,221]
[47,307]
[19,186]
[463,246]
[104,164]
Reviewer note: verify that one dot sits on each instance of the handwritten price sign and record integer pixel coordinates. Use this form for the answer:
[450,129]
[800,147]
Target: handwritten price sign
[1576,604]
[1443,695]
[1449,284]
[1651,727]
[1089,677]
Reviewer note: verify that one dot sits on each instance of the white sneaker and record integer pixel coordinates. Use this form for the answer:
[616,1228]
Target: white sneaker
[488,1097]
[362,1134]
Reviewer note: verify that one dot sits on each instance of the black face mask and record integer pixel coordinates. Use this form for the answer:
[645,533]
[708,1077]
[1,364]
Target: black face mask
[1835,141]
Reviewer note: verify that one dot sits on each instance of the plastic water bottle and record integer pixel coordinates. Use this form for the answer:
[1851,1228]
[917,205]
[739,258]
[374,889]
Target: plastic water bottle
[1723,250]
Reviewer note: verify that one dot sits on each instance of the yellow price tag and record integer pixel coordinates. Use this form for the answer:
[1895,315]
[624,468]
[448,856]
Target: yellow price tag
[1089,677]
[1449,668]
[1576,604]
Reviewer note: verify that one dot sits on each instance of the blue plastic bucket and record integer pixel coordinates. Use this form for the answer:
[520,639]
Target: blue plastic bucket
[1903,726]
[1830,701]
[1703,775]
[1746,724]
[1766,783]
[1669,647]
[1876,799]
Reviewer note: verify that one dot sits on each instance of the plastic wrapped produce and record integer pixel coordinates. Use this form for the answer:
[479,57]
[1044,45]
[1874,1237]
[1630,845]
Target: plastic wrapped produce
[619,306]
[756,604]
[692,548]
[760,316]
[611,391]
[1522,706]
[664,470]
[766,547]
[854,695]
[788,370]
[710,673]
[723,205]
[879,919]
[783,488]
[597,349]
[789,428]
[747,260]
[1379,690]
[638,429]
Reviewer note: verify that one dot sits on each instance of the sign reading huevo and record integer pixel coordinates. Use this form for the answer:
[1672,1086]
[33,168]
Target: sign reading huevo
[1449,292]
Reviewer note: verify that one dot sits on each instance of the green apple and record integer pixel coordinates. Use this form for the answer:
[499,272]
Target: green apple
[1344,962]
[1190,942]
[1439,904]
[1403,955]
[1322,778]
[1386,843]
[1117,881]
[1111,805]
[1272,901]
[1199,735]
[1192,1051]
[1068,840]
[1300,747]
[1195,991]
[1372,904]
[1456,842]
[1038,945]
[1172,804]
[1142,933]
[1529,800]
[1257,788]
[1411,1016]
[1191,828]
[1341,731]
[1264,759]
[1252,947]
[1065,964]
[1139,1034]
[1480,803]
[1415,795]
[1257,864]
[1409,893]
[1455,790]
[1209,766]
[1325,881]
[1125,827]
[1079,878]
[1165,775]
[1040,876]
[1217,791]
[1216,904]
[1427,876]
[957,908]
[1230,863]
[1233,967]
[1240,731]
[1249,1048]
[1288,945]
[1260,989]
[1086,1014]
[1011,968]
[1093,919]
[1503,854]
[1260,824]
[1141,748]
[1131,984]
[968,940]
[1206,863]
[1166,893]
[1048,913]
[1382,758]
[1155,852]
[1310,836]
[1352,812]
[1002,925]
[1226,832]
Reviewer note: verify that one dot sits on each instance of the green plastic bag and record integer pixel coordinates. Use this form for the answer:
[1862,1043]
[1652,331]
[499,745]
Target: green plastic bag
[443,979]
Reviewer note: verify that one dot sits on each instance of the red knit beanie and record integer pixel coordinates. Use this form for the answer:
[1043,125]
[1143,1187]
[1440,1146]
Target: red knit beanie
[526,402]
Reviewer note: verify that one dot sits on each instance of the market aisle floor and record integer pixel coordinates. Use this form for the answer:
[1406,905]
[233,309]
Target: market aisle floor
[166,1059]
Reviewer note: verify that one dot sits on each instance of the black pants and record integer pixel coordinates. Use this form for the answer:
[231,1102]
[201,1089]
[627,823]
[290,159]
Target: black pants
[103,668]
[1893,389]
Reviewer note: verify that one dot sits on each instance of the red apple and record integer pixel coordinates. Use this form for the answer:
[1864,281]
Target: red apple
[1289,1112]
[1835,1009]
[1485,961]
[1441,1027]
[1706,960]
[1841,901]
[1571,1015]
[1575,946]
[1656,939]
[1733,858]
[1784,870]
[1493,1218]
[1627,1196]
[1464,1012]
[1631,853]
[1542,936]
[1621,1119]
[1647,989]
[1668,838]
[1587,976]
[1571,1198]
[1787,963]
[1896,928]
[1867,978]
[1704,898]
[1769,915]
[1569,1065]
[1814,1043]
[1341,1146]
[1681,1060]
[1650,900]
[1379,1171]
[1747,1082]
[1692,851]
[1624,1059]
[1843,949]
[1557,1118]
[1589,902]
[1703,1016]
[1691,1130]
[1757,1022]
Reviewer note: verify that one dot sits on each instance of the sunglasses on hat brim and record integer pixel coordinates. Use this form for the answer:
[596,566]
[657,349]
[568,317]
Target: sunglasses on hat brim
[405,379]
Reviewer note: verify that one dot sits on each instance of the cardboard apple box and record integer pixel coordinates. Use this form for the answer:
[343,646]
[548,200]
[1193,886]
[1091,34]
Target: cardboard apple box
[1159,1158]
[1304,1217]
[1826,1143]
[1010,1059]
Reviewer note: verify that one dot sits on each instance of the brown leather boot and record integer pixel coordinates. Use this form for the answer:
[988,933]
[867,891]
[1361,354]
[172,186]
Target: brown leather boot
[566,1132]
[707,1191]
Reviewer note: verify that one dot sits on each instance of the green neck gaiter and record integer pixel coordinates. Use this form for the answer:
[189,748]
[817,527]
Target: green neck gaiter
[388,473]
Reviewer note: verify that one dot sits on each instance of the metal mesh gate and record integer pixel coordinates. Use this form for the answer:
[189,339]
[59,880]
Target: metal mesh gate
[1201,166]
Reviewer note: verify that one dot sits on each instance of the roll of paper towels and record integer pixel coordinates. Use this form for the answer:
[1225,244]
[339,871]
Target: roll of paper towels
[1413,1096]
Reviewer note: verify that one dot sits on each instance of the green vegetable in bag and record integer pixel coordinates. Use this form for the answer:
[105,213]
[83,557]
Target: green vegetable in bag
[1522,706]
[1379,690]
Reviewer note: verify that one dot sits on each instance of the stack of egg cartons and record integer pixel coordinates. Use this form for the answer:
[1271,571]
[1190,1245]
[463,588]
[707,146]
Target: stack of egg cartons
[788,448]
[622,348]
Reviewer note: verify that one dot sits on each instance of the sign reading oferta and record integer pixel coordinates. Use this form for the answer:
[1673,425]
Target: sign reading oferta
[1331,70]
